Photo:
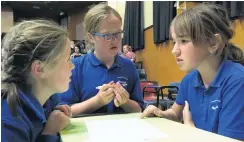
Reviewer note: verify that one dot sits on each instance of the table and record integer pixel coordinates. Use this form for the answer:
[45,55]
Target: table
[76,131]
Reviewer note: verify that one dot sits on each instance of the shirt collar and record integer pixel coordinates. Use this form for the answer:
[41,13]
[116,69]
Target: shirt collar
[220,76]
[30,101]
[197,81]
[96,62]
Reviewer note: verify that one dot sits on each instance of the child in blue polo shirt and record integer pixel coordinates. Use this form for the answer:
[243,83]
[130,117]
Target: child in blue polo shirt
[212,93]
[103,81]
[35,64]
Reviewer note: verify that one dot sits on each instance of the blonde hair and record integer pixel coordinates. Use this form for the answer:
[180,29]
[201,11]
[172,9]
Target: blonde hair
[26,42]
[95,16]
[201,23]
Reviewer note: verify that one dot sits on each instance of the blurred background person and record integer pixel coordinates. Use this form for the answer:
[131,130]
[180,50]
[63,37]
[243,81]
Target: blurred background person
[77,52]
[127,51]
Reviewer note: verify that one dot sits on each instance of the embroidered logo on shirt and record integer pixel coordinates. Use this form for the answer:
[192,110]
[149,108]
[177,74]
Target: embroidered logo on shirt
[215,104]
[123,81]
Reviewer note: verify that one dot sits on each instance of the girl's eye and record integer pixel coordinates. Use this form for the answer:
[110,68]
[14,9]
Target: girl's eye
[184,41]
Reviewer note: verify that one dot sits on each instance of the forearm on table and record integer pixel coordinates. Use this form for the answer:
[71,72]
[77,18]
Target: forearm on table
[172,115]
[131,106]
[87,106]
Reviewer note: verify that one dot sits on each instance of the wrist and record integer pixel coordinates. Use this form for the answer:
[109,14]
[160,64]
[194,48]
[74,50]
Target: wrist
[126,103]
[49,132]
[172,115]
[99,100]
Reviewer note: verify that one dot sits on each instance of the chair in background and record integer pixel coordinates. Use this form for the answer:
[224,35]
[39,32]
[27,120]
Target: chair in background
[168,102]
[157,90]
[152,91]
[173,91]
[149,94]
[139,65]
[142,74]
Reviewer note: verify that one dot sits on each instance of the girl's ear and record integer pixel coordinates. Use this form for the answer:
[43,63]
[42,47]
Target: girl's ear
[90,37]
[37,69]
[216,45]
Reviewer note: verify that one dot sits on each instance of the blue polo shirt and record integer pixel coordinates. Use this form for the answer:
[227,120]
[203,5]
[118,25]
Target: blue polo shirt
[220,107]
[89,72]
[51,104]
[28,125]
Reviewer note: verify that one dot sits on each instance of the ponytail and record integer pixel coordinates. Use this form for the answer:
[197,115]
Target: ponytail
[235,54]
[10,92]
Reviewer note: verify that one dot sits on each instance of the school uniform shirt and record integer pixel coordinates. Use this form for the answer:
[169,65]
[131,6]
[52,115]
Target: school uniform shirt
[51,104]
[89,73]
[29,123]
[220,107]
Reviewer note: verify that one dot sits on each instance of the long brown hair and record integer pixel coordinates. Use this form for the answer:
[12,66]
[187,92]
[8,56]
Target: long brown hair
[202,22]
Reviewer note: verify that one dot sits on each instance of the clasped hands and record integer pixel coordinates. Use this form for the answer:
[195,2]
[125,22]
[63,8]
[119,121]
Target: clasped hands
[113,91]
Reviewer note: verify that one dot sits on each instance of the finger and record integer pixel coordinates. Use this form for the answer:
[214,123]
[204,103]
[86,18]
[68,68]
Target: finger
[158,113]
[148,111]
[62,114]
[145,113]
[122,91]
[106,86]
[69,110]
[116,91]
[109,91]
[118,84]
[63,109]
[111,96]
[56,111]
[111,83]
[186,105]
[186,109]
[119,91]
[118,96]
[106,94]
[116,102]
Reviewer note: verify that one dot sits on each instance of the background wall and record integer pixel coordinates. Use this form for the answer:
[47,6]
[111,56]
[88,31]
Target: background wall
[7,19]
[238,39]
[159,63]
[75,25]
[148,13]
[120,7]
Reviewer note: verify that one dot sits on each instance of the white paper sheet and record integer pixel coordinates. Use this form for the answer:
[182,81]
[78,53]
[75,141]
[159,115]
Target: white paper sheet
[122,130]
